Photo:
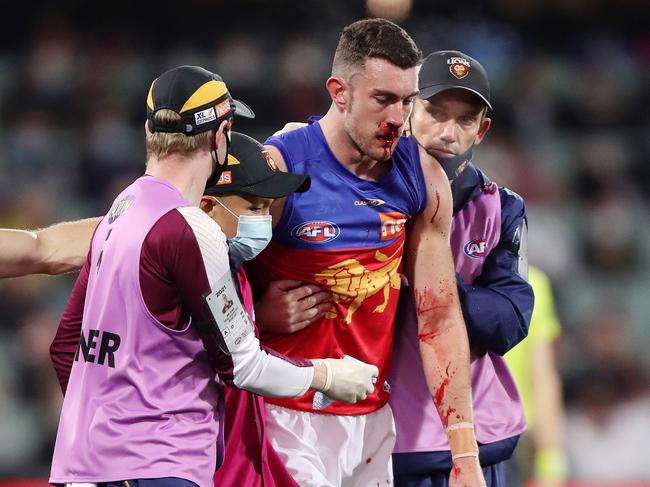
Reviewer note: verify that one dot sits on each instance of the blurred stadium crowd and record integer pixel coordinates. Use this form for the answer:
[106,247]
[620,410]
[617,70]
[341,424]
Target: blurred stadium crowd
[571,133]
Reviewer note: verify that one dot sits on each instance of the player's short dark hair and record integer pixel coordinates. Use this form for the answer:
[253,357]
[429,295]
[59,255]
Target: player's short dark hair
[375,38]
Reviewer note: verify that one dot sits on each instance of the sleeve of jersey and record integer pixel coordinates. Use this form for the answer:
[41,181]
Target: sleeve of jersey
[419,186]
[232,338]
[277,142]
[497,307]
[66,340]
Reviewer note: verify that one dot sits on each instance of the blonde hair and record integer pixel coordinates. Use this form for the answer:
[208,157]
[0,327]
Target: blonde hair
[162,144]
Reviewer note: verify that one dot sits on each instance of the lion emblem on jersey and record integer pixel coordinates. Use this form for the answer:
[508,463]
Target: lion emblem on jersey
[352,283]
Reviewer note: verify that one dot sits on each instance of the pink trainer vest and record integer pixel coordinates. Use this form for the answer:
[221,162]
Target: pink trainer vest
[498,414]
[141,401]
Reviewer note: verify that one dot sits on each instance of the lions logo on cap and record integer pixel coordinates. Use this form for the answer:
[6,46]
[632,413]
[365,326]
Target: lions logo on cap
[269,161]
[458,67]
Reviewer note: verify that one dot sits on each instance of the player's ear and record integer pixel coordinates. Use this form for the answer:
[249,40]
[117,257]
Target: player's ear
[147,130]
[483,130]
[337,88]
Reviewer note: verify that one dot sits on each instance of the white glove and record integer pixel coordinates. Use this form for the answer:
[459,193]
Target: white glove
[349,380]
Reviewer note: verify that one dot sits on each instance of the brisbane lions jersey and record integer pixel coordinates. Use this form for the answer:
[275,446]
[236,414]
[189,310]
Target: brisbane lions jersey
[346,235]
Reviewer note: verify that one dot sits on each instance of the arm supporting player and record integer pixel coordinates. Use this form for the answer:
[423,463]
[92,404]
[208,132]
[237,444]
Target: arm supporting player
[229,335]
[53,250]
[498,305]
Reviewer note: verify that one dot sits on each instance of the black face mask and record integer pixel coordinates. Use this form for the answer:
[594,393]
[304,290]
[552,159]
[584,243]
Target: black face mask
[462,182]
[454,165]
[219,167]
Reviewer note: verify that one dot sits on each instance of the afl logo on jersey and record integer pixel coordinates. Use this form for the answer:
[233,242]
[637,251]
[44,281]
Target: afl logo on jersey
[316,231]
[476,248]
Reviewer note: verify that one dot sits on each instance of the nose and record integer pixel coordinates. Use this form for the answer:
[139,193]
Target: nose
[448,133]
[396,116]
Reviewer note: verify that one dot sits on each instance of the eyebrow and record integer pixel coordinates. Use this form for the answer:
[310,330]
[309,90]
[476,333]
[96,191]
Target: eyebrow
[377,91]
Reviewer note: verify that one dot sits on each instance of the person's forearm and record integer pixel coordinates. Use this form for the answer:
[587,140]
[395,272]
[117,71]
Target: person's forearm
[18,253]
[548,432]
[64,246]
[53,250]
[547,397]
[445,353]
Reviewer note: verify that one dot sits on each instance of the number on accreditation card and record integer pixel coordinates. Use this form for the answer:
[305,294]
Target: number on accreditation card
[228,312]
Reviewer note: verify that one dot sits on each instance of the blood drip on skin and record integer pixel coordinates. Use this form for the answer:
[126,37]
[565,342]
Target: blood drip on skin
[388,133]
[440,393]
[426,303]
[446,414]
[440,396]
[437,207]
[456,471]
[368,460]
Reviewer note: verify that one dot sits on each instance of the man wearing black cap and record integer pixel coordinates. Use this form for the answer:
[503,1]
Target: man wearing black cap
[140,398]
[239,202]
[488,242]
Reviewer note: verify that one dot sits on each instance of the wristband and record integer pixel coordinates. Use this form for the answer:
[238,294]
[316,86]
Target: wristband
[463,455]
[551,464]
[461,425]
[462,440]
[328,377]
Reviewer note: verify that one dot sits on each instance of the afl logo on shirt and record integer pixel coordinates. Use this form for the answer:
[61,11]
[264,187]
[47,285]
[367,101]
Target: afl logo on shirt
[476,248]
[316,231]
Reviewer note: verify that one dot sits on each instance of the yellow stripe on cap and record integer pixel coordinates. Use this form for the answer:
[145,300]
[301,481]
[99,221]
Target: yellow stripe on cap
[210,91]
[232,160]
[150,96]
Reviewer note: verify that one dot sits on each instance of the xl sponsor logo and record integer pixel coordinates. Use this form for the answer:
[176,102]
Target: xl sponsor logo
[476,248]
[316,231]
[392,224]
[205,116]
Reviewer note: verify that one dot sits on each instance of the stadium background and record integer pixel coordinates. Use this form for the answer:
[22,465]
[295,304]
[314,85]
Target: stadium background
[571,133]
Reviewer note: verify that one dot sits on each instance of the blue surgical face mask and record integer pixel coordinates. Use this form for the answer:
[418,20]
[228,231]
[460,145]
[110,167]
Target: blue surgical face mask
[254,233]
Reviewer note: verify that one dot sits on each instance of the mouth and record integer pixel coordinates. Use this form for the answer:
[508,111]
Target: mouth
[443,152]
[387,140]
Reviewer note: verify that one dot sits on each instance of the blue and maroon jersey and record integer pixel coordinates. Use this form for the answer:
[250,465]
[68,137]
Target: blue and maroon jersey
[346,235]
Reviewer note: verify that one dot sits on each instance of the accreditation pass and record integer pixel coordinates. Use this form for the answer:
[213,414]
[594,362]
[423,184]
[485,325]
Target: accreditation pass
[228,312]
